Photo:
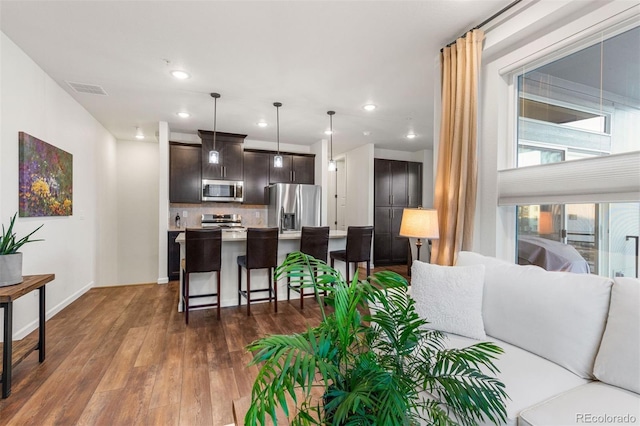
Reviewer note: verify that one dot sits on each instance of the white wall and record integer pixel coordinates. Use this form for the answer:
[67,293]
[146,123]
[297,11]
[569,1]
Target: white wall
[32,102]
[545,28]
[137,166]
[359,182]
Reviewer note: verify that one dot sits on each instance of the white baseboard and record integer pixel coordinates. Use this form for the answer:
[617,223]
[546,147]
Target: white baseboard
[24,331]
[163,280]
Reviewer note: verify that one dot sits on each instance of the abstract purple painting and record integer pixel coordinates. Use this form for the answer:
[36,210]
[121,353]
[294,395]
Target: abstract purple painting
[46,179]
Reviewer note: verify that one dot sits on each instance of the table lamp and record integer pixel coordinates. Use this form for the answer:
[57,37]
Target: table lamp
[420,223]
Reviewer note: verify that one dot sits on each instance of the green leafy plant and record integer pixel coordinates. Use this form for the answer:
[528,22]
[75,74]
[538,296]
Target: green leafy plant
[9,244]
[381,367]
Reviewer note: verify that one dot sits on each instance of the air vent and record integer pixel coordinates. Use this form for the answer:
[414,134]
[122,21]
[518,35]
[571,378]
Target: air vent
[91,89]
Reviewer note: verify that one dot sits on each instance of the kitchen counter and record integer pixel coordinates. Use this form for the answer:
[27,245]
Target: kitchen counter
[242,236]
[233,245]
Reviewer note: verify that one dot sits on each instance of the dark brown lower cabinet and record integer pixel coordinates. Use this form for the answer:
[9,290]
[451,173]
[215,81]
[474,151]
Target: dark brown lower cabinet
[173,256]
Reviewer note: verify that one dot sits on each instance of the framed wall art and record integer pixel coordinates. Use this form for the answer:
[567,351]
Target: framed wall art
[46,178]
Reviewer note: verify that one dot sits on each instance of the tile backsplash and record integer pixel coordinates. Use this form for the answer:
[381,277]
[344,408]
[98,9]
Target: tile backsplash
[252,215]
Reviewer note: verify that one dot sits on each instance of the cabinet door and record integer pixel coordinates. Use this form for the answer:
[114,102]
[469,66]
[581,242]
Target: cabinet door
[185,182]
[232,154]
[382,236]
[256,177]
[173,256]
[398,183]
[280,174]
[414,184]
[398,243]
[303,169]
[382,182]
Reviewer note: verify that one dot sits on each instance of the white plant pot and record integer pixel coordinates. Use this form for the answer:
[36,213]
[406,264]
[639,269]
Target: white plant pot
[10,269]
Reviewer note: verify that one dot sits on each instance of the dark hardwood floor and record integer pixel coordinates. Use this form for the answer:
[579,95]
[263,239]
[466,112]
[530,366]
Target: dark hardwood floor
[123,356]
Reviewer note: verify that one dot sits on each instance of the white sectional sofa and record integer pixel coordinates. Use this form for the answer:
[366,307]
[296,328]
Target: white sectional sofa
[571,341]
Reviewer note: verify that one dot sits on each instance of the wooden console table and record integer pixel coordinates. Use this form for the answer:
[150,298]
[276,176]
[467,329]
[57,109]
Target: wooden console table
[7,296]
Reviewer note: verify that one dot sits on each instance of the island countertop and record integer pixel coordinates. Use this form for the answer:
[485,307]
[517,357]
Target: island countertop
[242,235]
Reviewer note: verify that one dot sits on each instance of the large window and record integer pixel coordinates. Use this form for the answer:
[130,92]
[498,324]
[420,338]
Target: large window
[583,105]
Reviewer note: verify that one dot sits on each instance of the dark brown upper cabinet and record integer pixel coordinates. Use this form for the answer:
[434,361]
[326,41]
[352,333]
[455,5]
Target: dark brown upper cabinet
[185,181]
[256,177]
[297,168]
[231,149]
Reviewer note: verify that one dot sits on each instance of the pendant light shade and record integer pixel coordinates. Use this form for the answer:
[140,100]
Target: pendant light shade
[277,159]
[214,155]
[332,162]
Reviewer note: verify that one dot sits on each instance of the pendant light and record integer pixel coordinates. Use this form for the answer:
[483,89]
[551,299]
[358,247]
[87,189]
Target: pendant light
[277,159]
[214,155]
[332,162]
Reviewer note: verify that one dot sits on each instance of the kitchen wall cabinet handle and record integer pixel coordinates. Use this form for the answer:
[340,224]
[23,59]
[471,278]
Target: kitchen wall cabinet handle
[294,175]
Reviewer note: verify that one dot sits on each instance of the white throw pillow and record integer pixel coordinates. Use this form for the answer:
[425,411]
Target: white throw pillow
[618,361]
[449,297]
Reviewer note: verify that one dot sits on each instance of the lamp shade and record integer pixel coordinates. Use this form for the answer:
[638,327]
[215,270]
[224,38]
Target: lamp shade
[420,223]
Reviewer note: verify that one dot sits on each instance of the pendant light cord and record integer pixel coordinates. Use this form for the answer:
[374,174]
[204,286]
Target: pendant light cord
[215,114]
[278,105]
[330,113]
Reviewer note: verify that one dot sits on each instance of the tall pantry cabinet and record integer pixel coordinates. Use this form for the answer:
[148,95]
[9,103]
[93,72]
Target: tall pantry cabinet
[397,185]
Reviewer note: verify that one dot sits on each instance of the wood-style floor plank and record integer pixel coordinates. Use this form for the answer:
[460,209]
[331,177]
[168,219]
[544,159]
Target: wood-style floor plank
[124,356]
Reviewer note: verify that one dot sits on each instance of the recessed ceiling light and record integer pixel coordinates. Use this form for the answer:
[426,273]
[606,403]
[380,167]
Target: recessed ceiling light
[262,123]
[180,74]
[411,135]
[139,134]
[369,107]
[366,133]
[183,114]
[328,132]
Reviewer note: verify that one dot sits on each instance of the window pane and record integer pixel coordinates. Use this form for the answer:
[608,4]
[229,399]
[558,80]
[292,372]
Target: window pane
[583,105]
[596,238]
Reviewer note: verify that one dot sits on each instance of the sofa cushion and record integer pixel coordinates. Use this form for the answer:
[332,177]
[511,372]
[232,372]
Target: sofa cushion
[558,315]
[528,378]
[593,403]
[618,360]
[449,297]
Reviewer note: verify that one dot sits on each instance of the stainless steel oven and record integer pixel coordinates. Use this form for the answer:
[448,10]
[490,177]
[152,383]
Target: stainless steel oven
[222,190]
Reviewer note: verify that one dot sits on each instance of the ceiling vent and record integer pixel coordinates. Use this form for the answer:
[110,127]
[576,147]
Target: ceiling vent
[92,89]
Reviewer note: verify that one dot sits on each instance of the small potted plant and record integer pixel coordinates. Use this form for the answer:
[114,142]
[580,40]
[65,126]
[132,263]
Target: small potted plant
[10,258]
[377,368]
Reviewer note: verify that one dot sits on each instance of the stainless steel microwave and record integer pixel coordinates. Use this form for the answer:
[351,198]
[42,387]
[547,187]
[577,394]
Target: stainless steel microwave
[222,190]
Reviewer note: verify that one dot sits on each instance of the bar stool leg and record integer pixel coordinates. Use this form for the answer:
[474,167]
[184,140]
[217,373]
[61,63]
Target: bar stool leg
[368,268]
[239,285]
[186,298]
[248,292]
[275,288]
[219,280]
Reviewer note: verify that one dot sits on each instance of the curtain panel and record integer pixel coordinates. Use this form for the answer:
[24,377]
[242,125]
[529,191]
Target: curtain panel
[457,169]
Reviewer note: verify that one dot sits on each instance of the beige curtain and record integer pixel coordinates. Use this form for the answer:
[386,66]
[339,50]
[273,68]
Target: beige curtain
[456,177]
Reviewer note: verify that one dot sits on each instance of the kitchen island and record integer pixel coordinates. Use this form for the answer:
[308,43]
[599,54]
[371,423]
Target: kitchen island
[234,245]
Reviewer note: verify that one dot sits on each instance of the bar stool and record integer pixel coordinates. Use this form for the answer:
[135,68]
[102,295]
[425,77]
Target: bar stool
[358,248]
[202,254]
[261,253]
[314,241]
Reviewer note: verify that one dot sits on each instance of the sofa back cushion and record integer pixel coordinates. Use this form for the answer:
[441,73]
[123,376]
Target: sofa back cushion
[618,360]
[560,316]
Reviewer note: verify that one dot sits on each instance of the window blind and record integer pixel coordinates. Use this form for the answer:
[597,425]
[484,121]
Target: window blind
[612,178]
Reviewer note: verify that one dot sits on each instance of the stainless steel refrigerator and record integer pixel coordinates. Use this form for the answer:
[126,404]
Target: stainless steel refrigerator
[292,206]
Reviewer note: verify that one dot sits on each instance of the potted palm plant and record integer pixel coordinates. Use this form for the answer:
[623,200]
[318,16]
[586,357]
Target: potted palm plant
[378,368]
[10,258]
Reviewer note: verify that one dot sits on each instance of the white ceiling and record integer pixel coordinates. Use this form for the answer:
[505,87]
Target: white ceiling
[312,56]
